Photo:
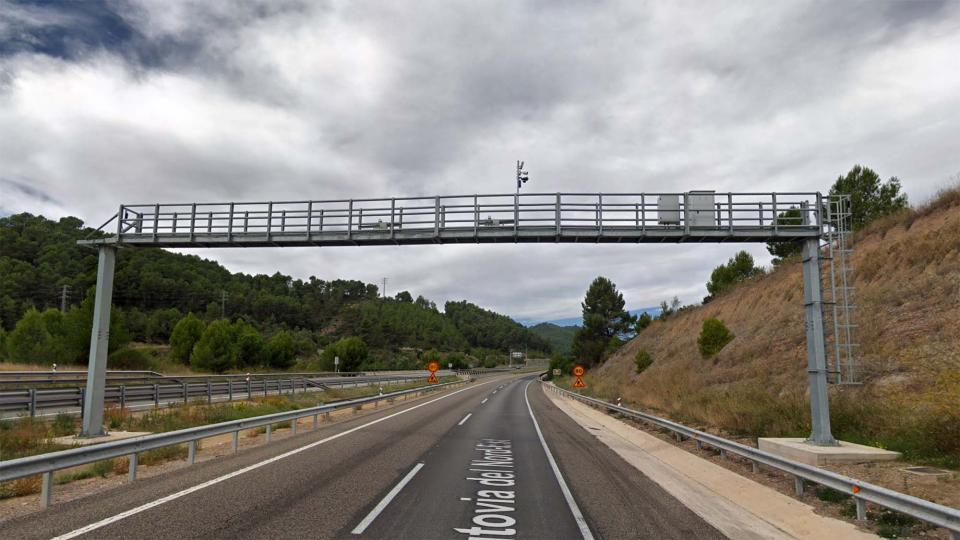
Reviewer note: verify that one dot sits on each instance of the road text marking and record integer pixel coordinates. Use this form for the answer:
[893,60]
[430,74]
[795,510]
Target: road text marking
[465,418]
[362,526]
[574,509]
[496,497]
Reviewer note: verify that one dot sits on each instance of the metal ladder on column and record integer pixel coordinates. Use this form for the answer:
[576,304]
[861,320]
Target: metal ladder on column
[843,351]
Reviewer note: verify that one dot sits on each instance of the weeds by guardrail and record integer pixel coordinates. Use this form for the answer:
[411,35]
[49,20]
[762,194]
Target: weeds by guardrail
[862,492]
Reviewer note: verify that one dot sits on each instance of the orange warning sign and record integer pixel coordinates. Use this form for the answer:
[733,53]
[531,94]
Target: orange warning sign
[578,372]
[433,367]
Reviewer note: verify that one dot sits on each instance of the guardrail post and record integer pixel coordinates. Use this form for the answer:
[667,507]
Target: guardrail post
[99,341]
[798,485]
[46,490]
[862,510]
[123,396]
[269,432]
[185,393]
[315,422]
[293,426]
[249,390]
[698,444]
[209,393]
[33,402]
[756,467]
[192,452]
[156,396]
[236,441]
[132,470]
[229,390]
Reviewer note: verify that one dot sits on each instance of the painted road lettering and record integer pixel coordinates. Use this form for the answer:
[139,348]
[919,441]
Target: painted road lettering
[495,500]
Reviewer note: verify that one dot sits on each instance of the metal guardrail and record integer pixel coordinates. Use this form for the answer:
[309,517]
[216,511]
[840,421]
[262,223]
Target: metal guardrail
[181,389]
[47,464]
[862,492]
[641,217]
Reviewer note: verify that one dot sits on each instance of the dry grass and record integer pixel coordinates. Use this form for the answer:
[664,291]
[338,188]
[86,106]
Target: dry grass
[907,279]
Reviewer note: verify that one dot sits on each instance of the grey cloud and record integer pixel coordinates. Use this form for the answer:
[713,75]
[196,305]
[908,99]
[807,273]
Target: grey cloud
[298,100]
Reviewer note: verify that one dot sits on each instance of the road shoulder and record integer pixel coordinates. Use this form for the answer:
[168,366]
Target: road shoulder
[737,506]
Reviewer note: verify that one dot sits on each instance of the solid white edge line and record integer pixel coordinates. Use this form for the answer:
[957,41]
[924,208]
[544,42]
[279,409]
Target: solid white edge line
[465,418]
[198,487]
[574,509]
[362,526]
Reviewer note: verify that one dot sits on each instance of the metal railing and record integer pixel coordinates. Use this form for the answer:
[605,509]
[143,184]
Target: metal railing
[183,389]
[638,216]
[862,492]
[47,464]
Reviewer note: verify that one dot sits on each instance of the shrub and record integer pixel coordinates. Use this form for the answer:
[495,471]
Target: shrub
[642,360]
[129,359]
[63,424]
[713,337]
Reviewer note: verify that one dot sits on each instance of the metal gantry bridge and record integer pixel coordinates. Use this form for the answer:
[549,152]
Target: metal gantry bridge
[553,217]
[621,218]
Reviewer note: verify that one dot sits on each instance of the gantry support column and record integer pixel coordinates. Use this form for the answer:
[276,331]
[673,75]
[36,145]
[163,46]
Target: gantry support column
[99,341]
[816,349]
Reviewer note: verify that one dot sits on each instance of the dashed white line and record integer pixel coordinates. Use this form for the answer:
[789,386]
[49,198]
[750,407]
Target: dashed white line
[198,487]
[465,418]
[574,509]
[362,526]
[484,401]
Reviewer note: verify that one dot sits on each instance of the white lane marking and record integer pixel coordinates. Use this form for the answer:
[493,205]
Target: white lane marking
[465,418]
[484,401]
[574,509]
[198,487]
[362,526]
[465,499]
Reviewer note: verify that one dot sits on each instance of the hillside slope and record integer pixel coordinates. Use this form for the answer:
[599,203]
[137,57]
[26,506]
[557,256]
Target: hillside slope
[907,279]
[559,337]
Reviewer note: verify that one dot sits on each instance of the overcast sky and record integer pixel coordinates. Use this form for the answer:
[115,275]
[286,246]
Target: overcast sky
[111,102]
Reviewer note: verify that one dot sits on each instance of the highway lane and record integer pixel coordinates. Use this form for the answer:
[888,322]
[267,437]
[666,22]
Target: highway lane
[347,481]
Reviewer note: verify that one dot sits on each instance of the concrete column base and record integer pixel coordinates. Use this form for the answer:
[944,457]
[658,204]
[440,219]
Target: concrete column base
[798,449]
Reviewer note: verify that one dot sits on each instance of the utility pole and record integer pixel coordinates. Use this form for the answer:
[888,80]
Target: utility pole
[64,294]
[384,287]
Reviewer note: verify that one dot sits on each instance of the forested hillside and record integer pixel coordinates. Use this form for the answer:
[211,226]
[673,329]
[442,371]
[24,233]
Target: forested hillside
[559,337]
[156,289]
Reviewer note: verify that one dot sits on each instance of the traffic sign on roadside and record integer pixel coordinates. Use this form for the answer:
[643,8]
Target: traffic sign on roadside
[578,372]
[433,367]
[556,372]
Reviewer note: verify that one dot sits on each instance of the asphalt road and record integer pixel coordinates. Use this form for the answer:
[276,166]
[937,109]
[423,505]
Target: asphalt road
[424,469]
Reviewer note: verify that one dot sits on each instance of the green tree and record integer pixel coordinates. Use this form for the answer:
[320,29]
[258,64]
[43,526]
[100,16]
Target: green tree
[643,321]
[714,336]
[404,296]
[642,360]
[739,268]
[280,350]
[352,352]
[249,344]
[185,335]
[784,250]
[605,322]
[215,350]
[668,309]
[870,197]
[30,341]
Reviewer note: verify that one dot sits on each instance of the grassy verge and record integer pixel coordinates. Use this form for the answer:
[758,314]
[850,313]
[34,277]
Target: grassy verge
[31,436]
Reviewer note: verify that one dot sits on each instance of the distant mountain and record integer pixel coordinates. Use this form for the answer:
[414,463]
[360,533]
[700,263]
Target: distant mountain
[575,321]
[559,337]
